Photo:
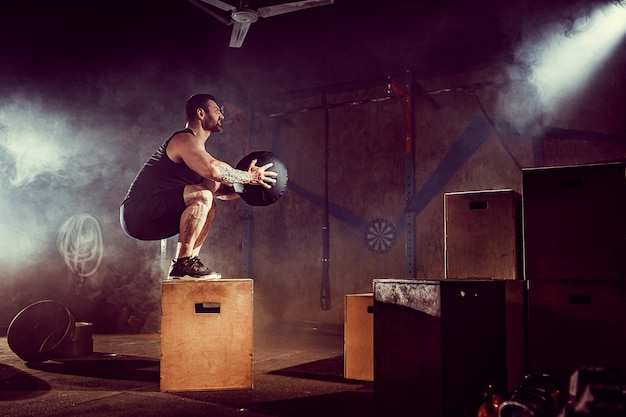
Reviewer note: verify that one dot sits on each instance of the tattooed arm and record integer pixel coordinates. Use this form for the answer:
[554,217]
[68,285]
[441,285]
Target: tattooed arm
[189,149]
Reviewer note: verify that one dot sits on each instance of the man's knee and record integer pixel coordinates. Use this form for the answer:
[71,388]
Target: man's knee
[203,198]
[199,195]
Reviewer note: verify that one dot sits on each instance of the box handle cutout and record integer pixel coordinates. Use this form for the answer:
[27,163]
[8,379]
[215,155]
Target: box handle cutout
[207,308]
[580,299]
[370,309]
[572,183]
[478,205]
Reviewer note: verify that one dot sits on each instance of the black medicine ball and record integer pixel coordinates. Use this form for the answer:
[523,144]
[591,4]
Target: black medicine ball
[257,195]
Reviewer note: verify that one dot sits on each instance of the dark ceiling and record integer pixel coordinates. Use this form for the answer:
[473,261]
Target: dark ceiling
[61,41]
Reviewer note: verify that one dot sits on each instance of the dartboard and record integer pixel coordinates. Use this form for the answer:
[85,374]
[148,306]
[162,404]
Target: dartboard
[380,235]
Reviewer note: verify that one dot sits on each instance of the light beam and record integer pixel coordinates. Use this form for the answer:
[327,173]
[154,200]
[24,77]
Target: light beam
[567,60]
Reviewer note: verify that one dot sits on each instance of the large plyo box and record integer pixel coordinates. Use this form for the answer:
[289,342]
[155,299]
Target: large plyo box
[482,233]
[439,343]
[575,222]
[576,323]
[206,335]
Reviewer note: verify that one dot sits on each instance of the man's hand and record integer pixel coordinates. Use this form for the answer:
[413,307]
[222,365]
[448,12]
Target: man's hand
[261,175]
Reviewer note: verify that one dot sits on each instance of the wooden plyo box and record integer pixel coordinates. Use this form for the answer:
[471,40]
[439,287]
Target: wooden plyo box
[206,335]
[358,348]
[483,234]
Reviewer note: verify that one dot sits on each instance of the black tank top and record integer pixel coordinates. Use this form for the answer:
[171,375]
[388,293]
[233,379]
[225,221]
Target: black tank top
[160,173]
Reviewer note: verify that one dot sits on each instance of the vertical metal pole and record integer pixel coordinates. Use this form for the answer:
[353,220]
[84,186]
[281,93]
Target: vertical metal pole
[325,299]
[409,180]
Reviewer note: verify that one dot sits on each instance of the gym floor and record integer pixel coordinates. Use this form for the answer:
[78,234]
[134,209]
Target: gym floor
[298,371]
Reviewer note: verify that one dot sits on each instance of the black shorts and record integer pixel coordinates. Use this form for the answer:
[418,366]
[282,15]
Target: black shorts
[155,216]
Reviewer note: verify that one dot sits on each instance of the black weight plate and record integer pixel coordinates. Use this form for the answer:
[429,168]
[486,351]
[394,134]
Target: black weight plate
[40,331]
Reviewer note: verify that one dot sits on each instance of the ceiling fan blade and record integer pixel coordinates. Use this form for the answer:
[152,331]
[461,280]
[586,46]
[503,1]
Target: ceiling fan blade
[212,12]
[239,34]
[221,5]
[291,7]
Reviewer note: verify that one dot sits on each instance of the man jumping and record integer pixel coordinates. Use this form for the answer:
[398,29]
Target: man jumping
[174,190]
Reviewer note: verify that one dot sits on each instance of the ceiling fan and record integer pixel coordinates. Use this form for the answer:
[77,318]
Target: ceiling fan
[243,16]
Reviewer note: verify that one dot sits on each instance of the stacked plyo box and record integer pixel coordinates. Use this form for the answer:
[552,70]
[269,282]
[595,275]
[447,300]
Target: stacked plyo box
[575,222]
[483,242]
[575,267]
[439,343]
[534,283]
[482,234]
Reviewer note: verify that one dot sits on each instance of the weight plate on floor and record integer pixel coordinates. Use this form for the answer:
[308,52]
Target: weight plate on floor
[40,331]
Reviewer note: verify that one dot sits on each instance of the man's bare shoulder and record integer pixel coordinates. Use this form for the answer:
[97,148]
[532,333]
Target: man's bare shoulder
[182,144]
[183,136]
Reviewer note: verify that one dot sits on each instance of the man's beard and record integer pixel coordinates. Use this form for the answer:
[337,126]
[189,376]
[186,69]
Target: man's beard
[216,128]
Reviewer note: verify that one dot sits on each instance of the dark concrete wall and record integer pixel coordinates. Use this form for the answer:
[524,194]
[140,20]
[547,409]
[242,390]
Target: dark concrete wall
[473,131]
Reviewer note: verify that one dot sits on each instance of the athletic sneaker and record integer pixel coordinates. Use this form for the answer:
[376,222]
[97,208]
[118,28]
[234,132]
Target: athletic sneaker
[191,268]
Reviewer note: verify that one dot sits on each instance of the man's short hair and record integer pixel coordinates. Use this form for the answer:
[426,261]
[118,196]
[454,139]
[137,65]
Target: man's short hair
[196,102]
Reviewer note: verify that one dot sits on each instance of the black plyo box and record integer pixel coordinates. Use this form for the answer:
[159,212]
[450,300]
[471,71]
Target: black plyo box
[438,343]
[574,221]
